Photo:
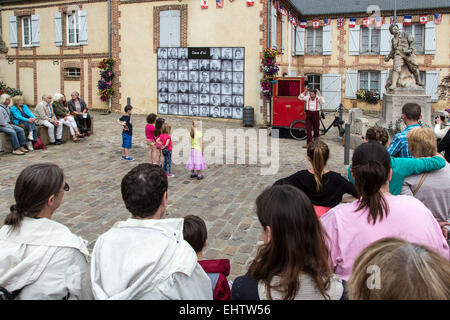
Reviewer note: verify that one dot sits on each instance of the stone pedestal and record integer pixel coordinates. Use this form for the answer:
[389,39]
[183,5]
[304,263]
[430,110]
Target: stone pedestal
[396,99]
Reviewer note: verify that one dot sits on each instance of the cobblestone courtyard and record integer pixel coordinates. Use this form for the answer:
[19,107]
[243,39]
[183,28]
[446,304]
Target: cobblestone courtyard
[224,199]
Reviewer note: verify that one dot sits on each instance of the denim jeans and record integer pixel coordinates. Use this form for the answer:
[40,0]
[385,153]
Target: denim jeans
[30,126]
[16,134]
[167,166]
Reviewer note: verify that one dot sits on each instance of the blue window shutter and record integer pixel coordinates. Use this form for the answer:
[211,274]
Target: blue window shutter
[175,16]
[331,90]
[13,32]
[351,84]
[432,84]
[430,38]
[35,31]
[385,40]
[83,40]
[58,29]
[383,79]
[273,29]
[327,40]
[353,41]
[299,41]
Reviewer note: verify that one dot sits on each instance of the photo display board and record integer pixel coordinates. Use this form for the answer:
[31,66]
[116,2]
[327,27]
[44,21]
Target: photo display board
[204,82]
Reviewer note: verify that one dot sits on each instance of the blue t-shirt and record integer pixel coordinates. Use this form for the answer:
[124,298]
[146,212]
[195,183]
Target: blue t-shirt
[127,120]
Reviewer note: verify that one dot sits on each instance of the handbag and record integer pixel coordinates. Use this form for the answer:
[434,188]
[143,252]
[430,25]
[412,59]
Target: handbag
[38,144]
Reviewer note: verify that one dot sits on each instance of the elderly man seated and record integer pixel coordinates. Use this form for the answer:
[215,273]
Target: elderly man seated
[16,134]
[46,117]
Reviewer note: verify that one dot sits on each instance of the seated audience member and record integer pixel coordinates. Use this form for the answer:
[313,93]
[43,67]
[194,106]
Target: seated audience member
[45,116]
[16,134]
[444,145]
[63,115]
[404,271]
[145,257]
[41,258]
[401,167]
[196,234]
[442,126]
[293,263]
[377,213]
[432,188]
[411,113]
[323,187]
[23,116]
[78,108]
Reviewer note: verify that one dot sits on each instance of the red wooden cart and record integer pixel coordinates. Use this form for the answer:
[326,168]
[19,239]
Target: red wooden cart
[287,108]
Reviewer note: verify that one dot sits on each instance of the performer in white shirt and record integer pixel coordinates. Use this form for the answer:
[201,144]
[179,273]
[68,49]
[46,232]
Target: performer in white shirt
[313,103]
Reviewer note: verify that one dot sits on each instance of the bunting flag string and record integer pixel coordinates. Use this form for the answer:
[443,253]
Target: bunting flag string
[340,22]
[352,23]
[423,19]
[407,20]
[219,4]
[250,3]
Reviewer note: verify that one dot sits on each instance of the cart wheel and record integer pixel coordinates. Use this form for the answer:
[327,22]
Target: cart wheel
[297,130]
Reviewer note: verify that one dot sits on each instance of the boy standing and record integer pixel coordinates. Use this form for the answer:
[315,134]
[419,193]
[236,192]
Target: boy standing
[127,133]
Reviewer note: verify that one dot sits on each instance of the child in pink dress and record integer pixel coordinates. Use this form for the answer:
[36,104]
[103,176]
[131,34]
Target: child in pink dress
[158,159]
[196,161]
[150,136]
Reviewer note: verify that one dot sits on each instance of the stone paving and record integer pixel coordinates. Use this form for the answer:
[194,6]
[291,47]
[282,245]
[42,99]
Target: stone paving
[224,199]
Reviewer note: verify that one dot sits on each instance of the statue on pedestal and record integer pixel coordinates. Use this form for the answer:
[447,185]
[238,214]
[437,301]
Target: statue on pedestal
[405,73]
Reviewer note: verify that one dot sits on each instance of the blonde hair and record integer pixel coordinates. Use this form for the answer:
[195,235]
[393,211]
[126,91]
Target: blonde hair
[422,142]
[166,128]
[196,125]
[16,99]
[403,270]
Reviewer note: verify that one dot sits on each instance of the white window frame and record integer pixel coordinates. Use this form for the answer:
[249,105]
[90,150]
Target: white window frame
[315,44]
[370,52]
[413,33]
[369,80]
[315,83]
[73,72]
[76,34]
[29,32]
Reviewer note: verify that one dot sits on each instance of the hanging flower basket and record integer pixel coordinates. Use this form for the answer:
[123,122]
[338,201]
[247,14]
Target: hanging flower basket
[104,85]
[270,69]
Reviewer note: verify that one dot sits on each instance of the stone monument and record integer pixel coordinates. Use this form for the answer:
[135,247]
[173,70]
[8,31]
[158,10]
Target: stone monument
[403,84]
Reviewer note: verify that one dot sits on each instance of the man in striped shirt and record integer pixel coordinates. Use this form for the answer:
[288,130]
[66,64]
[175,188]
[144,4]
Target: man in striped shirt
[313,103]
[411,113]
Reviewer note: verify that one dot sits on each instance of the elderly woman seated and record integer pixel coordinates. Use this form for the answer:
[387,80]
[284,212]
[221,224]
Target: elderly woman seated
[79,109]
[23,116]
[63,114]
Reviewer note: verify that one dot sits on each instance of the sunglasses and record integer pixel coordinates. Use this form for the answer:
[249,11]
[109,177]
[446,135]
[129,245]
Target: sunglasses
[66,187]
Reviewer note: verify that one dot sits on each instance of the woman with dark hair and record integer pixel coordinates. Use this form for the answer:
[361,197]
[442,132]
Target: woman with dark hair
[41,258]
[293,263]
[323,187]
[377,213]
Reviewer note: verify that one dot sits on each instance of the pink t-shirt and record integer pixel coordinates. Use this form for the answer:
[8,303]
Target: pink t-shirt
[164,137]
[350,232]
[149,132]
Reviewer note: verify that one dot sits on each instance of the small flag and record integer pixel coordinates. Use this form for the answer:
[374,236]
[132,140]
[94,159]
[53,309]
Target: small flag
[303,24]
[379,21]
[352,23]
[250,3]
[290,16]
[327,22]
[219,4]
[423,18]
[407,20]
[204,4]
[437,18]
[366,22]
[340,22]
[295,21]
[316,23]
[392,20]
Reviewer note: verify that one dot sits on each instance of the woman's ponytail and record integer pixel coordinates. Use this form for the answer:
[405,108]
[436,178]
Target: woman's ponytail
[318,152]
[14,218]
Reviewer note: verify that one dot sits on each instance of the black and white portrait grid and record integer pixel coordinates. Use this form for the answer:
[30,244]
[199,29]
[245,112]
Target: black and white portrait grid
[212,87]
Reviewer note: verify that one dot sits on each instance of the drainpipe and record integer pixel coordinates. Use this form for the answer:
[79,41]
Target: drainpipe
[269,45]
[109,43]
